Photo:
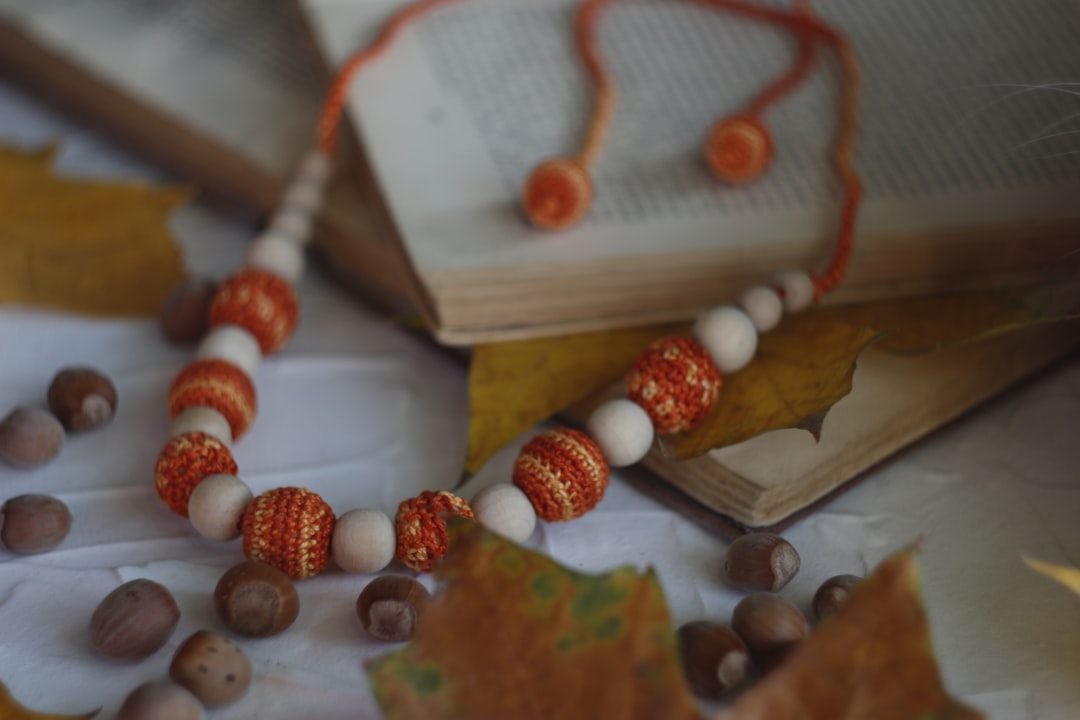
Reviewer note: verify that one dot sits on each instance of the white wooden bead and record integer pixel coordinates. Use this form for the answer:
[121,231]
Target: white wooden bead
[763,306]
[233,344]
[364,541]
[798,290]
[506,510]
[729,335]
[216,506]
[315,168]
[623,431]
[202,419]
[303,197]
[292,224]
[276,253]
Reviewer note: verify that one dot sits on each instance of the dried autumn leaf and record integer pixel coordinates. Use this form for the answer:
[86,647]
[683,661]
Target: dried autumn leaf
[802,368]
[513,386]
[511,634]
[928,324]
[88,247]
[873,660]
[1067,576]
[12,710]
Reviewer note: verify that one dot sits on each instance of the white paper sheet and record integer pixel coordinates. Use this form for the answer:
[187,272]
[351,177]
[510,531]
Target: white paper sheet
[367,415]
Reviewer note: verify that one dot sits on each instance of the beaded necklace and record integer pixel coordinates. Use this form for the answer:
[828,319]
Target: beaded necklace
[562,473]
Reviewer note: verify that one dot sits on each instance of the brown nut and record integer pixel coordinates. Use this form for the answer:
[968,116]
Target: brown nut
[160,701]
[134,620]
[186,312]
[390,605]
[34,523]
[212,669]
[761,561]
[256,600]
[832,594]
[82,398]
[770,625]
[30,437]
[714,658]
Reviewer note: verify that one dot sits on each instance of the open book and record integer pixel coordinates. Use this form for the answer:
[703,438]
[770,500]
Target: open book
[960,193]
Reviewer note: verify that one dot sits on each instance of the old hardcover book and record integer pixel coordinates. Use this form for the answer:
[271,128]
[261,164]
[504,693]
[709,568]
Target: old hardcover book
[967,182]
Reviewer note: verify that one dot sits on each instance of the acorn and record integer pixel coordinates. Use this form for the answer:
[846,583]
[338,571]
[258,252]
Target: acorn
[134,620]
[833,594]
[761,562]
[30,437]
[186,312]
[82,398]
[33,523]
[211,668]
[160,701]
[390,605]
[256,600]
[770,625]
[715,660]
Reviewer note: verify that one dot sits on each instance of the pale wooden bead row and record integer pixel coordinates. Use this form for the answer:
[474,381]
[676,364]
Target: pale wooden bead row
[233,344]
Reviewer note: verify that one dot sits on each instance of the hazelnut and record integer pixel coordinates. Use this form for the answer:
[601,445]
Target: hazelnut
[186,312]
[714,658]
[256,600]
[390,605]
[30,437]
[832,594]
[160,701]
[770,625]
[211,668]
[134,620]
[34,523]
[761,561]
[82,398]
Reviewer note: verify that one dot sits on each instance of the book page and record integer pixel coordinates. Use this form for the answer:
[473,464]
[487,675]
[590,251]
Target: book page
[231,70]
[473,96]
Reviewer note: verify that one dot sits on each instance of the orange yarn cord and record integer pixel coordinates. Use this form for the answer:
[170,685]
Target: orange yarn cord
[806,26]
[604,105]
[335,100]
[787,82]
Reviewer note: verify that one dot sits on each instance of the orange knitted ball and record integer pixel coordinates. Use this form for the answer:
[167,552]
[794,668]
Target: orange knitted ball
[421,527]
[260,301]
[289,528]
[185,462]
[738,149]
[557,194]
[219,385]
[676,382]
[563,473]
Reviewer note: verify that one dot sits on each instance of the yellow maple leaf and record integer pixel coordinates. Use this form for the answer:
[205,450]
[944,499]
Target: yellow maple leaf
[10,709]
[1067,576]
[97,248]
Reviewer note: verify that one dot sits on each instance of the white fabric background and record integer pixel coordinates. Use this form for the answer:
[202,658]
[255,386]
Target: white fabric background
[366,415]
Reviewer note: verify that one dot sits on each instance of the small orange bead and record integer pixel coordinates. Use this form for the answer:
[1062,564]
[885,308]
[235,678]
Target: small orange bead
[563,473]
[219,385]
[676,382]
[558,194]
[185,462]
[289,528]
[261,302]
[738,149]
[421,527]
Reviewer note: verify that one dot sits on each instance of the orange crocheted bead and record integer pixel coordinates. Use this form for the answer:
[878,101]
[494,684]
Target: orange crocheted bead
[738,149]
[260,301]
[185,462]
[676,382]
[219,385]
[289,528]
[421,527]
[557,194]
[563,473]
